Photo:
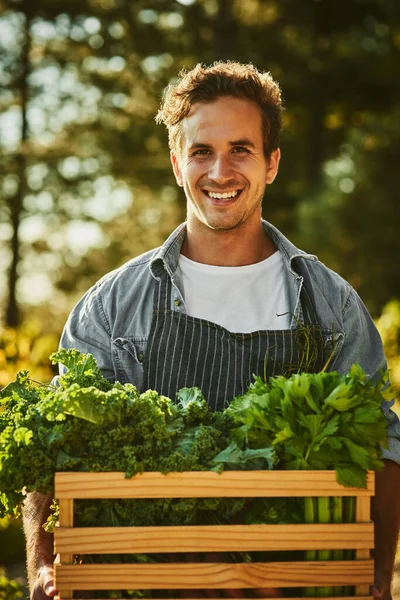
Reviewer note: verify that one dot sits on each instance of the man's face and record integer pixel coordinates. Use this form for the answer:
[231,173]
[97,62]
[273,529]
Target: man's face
[222,166]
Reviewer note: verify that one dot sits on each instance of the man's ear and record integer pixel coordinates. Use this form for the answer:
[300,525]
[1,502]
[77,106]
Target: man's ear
[273,165]
[176,168]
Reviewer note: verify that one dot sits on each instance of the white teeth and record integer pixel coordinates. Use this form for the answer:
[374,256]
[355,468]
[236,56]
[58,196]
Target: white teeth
[224,195]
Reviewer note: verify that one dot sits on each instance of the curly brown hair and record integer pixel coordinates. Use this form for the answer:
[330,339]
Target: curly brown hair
[222,78]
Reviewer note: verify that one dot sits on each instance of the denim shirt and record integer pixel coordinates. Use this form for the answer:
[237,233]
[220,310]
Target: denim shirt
[112,320]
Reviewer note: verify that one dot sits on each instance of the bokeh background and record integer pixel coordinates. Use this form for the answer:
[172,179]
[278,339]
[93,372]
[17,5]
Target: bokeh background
[85,179]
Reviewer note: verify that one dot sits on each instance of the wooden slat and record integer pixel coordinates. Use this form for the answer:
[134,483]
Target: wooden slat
[214,575]
[208,484]
[363,588]
[214,538]
[363,514]
[363,510]
[66,520]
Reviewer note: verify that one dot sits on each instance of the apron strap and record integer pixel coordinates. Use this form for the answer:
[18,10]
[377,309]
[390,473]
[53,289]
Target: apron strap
[162,293]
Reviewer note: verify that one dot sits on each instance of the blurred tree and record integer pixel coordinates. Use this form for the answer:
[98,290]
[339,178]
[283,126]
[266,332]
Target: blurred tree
[353,220]
[95,73]
[34,148]
[85,106]
[15,201]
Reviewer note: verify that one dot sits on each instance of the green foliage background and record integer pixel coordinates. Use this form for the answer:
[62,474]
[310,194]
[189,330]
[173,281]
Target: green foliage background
[86,177]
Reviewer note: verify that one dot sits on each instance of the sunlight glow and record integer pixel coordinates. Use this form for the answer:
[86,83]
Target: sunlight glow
[34,288]
[82,235]
[92,25]
[10,128]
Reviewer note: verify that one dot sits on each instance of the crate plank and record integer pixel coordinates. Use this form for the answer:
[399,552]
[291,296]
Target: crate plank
[205,484]
[214,538]
[363,509]
[214,575]
[66,520]
[363,513]
[217,575]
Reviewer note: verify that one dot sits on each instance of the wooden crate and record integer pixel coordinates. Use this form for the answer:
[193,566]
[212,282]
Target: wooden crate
[357,536]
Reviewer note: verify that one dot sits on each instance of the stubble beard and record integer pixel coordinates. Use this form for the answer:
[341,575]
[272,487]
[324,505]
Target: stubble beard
[230,226]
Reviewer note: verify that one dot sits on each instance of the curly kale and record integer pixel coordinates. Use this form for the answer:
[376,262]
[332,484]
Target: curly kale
[87,423]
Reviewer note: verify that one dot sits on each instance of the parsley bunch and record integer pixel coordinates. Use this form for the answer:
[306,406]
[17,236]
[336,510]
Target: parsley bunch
[316,421]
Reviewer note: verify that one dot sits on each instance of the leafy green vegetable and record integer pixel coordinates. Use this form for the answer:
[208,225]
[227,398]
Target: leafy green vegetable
[249,459]
[86,423]
[103,427]
[316,421]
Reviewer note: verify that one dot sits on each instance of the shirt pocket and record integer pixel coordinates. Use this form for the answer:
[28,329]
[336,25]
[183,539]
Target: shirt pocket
[128,357]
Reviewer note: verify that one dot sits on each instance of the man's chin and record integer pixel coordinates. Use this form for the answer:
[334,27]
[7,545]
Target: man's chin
[222,224]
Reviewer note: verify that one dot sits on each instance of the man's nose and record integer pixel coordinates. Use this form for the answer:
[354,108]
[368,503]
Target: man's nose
[221,170]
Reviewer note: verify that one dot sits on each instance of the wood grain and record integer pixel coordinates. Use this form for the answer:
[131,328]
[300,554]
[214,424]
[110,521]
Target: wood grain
[70,540]
[363,509]
[66,520]
[206,484]
[216,538]
[363,514]
[214,575]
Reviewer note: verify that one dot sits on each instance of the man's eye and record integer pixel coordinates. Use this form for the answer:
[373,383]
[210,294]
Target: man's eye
[201,151]
[240,150]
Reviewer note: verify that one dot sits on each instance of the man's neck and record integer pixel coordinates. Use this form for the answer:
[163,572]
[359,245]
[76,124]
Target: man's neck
[227,248]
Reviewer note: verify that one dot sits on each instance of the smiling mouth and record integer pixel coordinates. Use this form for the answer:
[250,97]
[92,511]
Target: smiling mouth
[223,195]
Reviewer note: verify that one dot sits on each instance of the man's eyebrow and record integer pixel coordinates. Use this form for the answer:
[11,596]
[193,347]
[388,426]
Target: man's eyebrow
[196,145]
[243,142]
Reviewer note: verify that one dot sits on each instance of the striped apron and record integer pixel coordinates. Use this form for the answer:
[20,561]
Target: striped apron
[185,351]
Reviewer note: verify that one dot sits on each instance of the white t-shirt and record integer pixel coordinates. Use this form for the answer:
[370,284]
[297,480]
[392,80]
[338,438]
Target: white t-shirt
[240,299]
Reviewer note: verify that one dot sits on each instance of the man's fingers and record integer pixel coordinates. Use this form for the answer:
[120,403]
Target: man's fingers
[382,594]
[50,588]
[46,580]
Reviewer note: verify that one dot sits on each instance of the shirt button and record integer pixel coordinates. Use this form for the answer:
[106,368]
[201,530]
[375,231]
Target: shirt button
[177,302]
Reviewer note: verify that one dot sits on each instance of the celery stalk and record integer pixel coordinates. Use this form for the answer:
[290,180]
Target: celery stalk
[310,517]
[350,509]
[324,516]
[349,517]
[337,517]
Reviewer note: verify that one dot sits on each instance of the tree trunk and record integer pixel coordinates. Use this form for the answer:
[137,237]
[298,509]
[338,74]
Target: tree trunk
[16,203]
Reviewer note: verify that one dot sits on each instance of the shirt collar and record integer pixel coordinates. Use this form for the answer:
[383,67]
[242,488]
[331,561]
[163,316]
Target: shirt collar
[287,248]
[167,256]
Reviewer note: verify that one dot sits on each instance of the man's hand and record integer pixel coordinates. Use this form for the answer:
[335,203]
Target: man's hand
[39,546]
[44,587]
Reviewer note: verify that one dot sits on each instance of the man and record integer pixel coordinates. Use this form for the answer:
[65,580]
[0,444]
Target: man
[227,294]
